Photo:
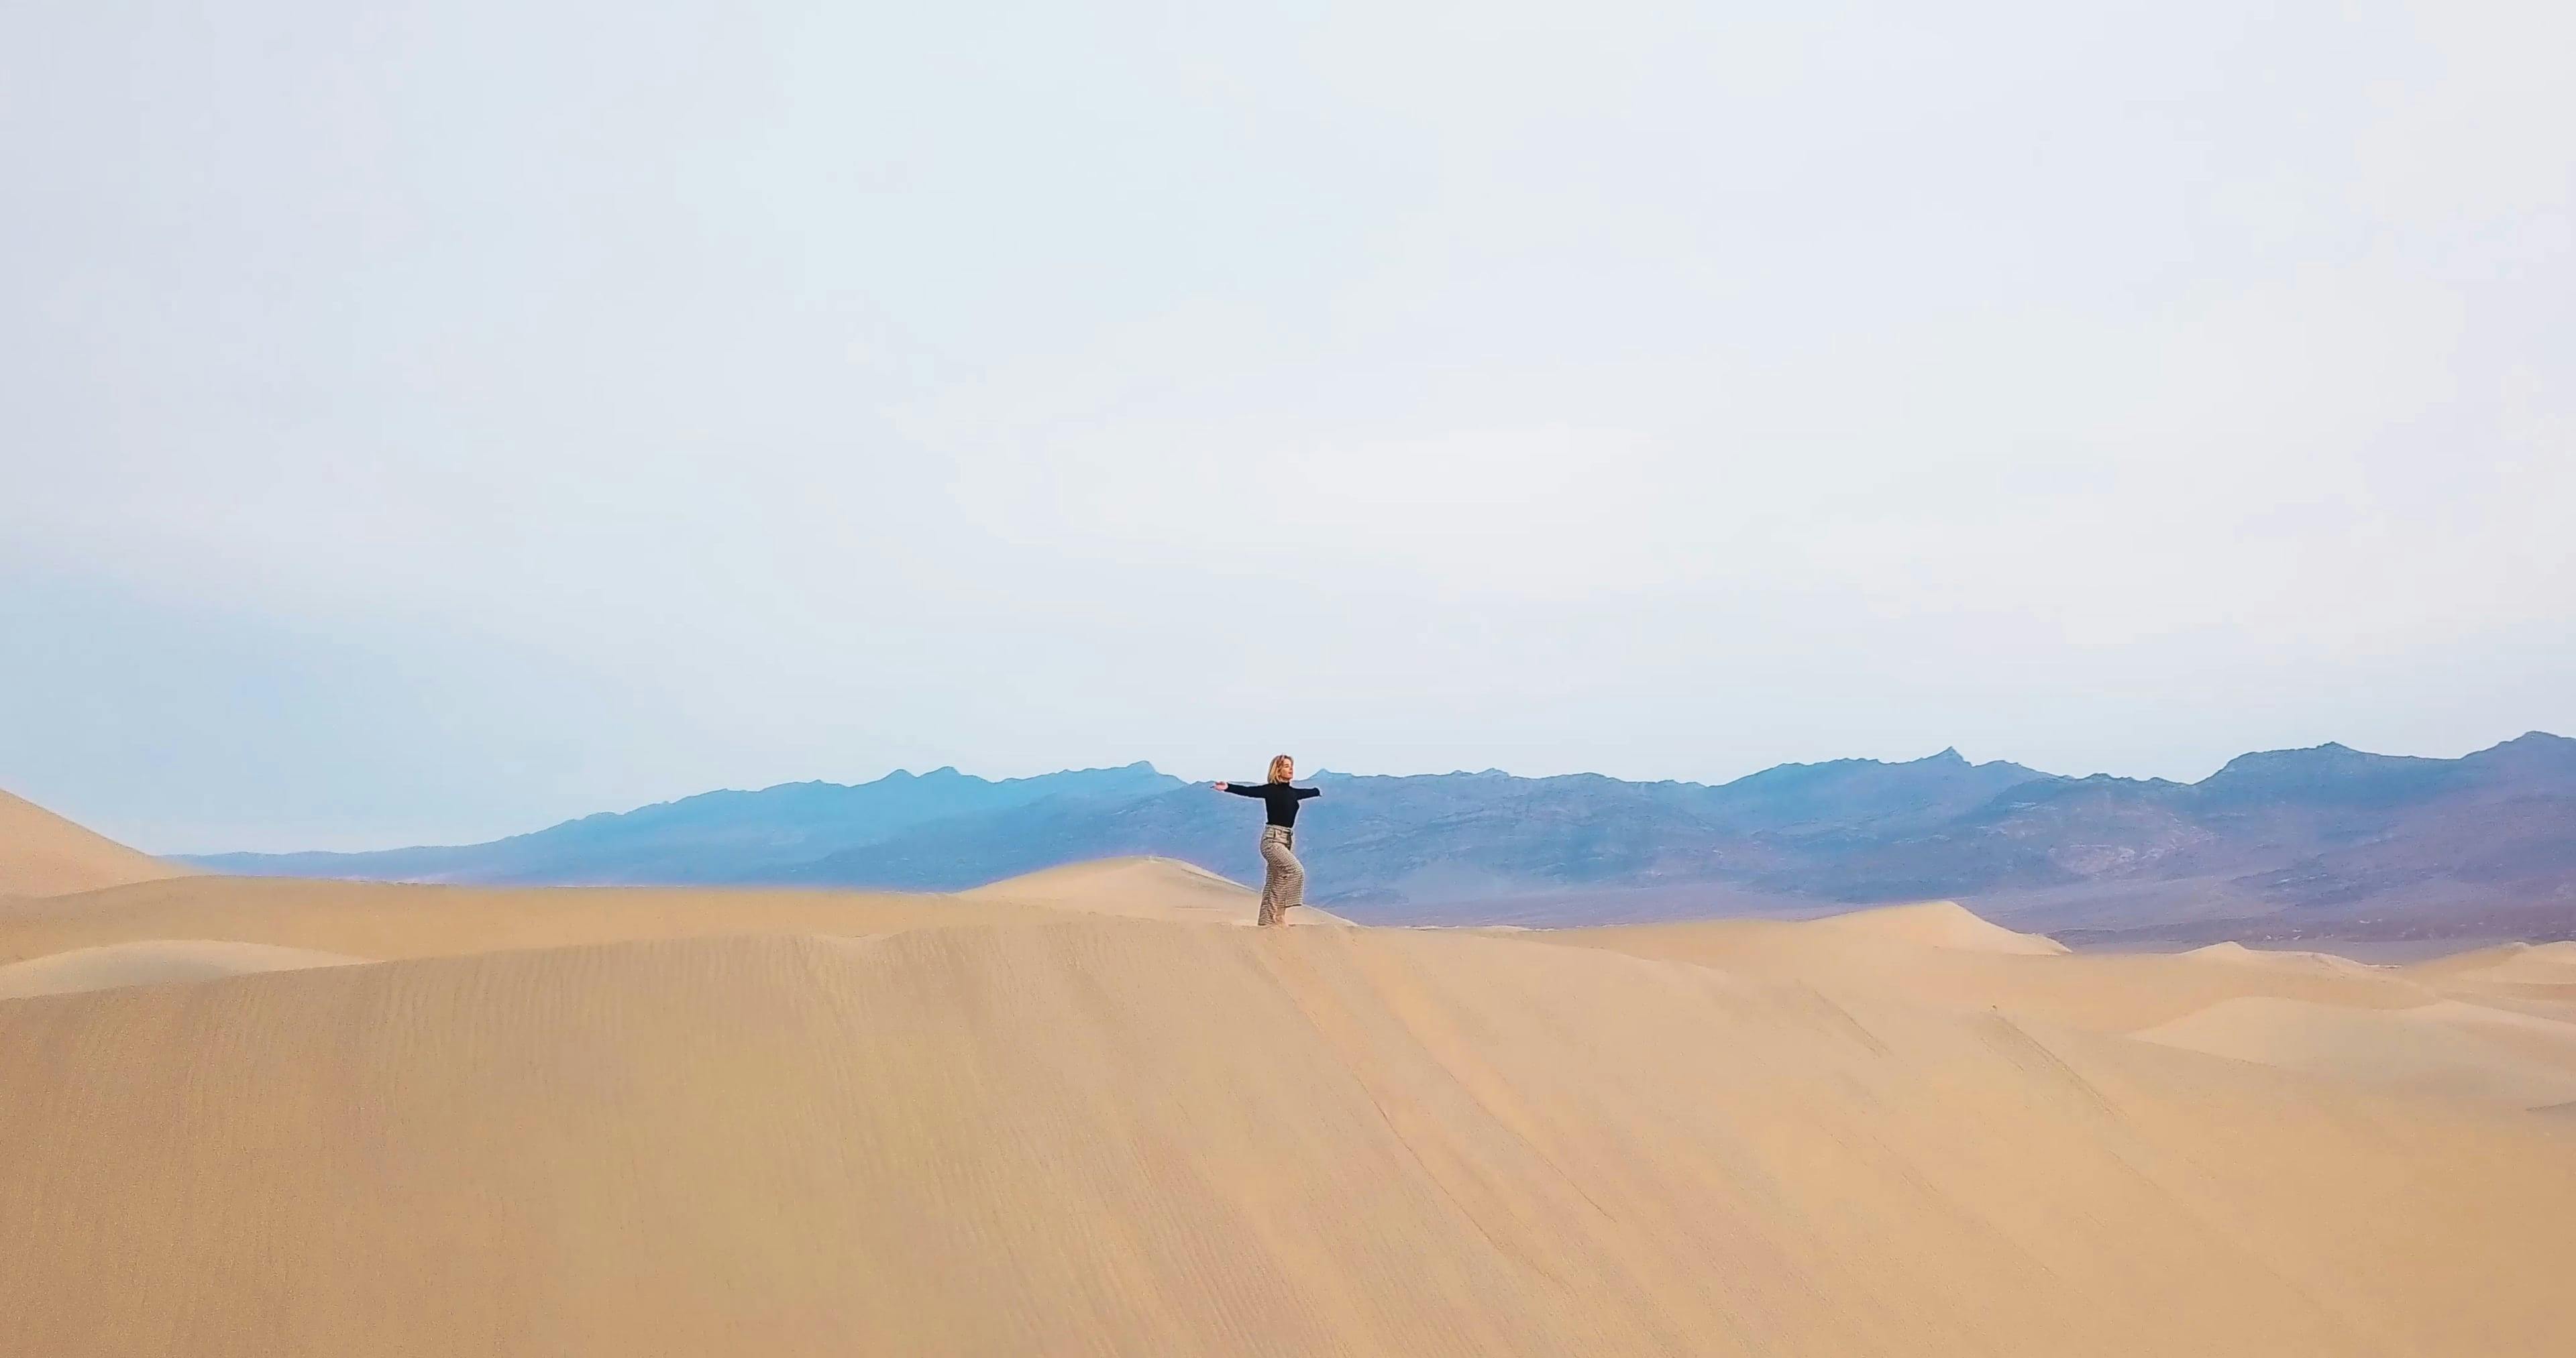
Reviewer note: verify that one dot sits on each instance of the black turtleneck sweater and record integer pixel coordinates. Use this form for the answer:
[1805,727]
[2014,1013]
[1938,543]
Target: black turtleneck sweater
[1279,797]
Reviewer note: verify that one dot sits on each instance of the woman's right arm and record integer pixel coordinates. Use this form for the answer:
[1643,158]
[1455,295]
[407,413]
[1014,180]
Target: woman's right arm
[1239,789]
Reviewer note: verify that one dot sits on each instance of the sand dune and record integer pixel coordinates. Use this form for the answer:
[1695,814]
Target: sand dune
[2448,1047]
[153,962]
[2539,981]
[2474,1027]
[1107,1135]
[1142,888]
[1075,1113]
[2092,992]
[384,920]
[2238,955]
[42,854]
[375,919]
[2526,964]
[1938,924]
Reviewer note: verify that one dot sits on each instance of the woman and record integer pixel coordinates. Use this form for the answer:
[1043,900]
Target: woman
[1285,885]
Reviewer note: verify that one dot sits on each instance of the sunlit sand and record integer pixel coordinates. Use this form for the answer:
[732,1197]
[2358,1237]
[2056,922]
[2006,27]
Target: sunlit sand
[1083,1111]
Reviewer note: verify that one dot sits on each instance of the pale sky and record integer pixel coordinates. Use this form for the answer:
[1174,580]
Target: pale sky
[427,422]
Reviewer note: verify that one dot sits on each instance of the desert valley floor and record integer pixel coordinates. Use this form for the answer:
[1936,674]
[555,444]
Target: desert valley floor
[1087,1112]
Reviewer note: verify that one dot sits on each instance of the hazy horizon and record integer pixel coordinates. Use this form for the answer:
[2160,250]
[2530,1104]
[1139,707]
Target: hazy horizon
[1306,773]
[429,426]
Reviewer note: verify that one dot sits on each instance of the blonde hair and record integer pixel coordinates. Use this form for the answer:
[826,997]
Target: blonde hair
[1275,761]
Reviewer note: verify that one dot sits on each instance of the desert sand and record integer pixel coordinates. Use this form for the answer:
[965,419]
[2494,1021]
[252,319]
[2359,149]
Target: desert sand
[2542,964]
[42,854]
[1140,888]
[2288,959]
[153,961]
[2446,1047]
[1082,1113]
[1933,924]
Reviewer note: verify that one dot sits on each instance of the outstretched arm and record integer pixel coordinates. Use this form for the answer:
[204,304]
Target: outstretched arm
[1305,792]
[1240,789]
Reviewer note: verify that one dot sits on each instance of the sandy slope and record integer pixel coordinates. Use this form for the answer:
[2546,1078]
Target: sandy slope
[2447,1047]
[1936,924]
[1072,1113]
[2094,992]
[2515,963]
[2285,959]
[154,961]
[2477,1027]
[41,854]
[374,919]
[1107,1135]
[1142,888]
[2521,978]
[383,920]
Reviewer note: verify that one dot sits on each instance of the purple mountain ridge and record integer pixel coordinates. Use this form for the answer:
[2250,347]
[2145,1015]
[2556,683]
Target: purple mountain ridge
[2320,843]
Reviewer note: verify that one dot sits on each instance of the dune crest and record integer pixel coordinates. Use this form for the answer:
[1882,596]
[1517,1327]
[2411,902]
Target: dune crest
[155,961]
[1937,924]
[42,854]
[1141,888]
[2531,964]
[2238,955]
[389,921]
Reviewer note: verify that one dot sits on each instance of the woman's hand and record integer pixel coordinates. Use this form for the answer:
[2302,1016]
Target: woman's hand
[1221,787]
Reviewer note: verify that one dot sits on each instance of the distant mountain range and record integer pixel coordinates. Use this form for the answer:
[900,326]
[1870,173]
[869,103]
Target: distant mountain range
[2328,842]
